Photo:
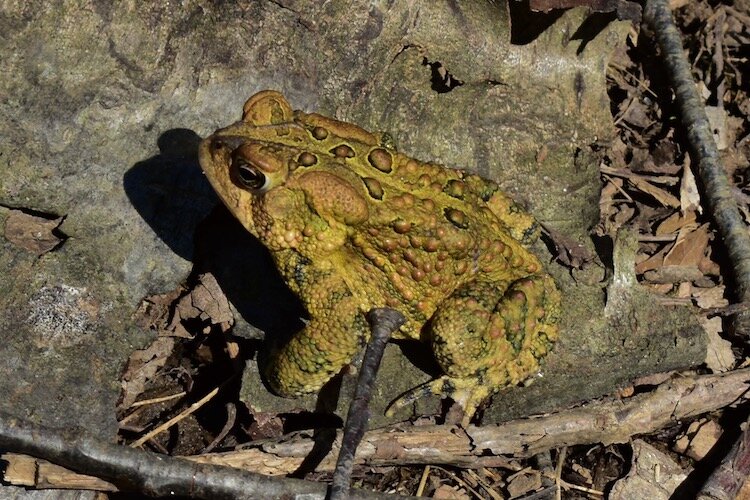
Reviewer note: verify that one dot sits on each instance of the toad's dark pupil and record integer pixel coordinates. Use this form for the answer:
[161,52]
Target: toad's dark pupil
[250,177]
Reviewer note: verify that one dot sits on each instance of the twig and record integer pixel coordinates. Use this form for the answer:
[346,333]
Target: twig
[718,57]
[157,400]
[669,180]
[146,472]
[384,322]
[423,481]
[606,421]
[726,310]
[460,481]
[228,425]
[558,472]
[169,423]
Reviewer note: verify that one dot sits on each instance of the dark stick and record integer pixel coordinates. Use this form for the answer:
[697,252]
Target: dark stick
[727,479]
[384,322]
[718,190]
[150,473]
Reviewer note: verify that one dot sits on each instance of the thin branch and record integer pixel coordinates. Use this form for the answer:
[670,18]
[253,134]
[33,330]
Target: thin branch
[228,426]
[146,472]
[177,418]
[608,421]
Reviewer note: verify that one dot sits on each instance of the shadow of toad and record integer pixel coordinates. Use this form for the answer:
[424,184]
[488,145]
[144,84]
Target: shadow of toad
[173,196]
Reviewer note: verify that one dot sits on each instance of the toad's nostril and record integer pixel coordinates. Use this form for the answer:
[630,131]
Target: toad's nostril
[231,142]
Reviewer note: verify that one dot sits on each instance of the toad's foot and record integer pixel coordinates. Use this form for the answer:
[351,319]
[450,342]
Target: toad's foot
[468,392]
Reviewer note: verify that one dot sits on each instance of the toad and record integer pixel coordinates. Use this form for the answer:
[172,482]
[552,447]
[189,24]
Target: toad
[353,224]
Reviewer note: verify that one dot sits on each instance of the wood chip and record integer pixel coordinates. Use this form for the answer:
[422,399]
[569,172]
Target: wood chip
[707,298]
[653,475]
[705,438]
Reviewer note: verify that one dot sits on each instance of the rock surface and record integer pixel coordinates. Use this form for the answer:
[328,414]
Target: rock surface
[105,104]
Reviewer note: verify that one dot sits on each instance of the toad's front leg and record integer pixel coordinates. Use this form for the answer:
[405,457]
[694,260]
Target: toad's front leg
[337,329]
[484,344]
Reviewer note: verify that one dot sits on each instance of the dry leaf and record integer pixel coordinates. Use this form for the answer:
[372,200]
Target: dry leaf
[675,222]
[613,213]
[446,492]
[663,197]
[719,355]
[690,199]
[583,472]
[653,262]
[623,215]
[523,483]
[689,248]
[36,234]
[606,198]
[206,302]
[153,311]
[142,367]
[662,158]
[209,298]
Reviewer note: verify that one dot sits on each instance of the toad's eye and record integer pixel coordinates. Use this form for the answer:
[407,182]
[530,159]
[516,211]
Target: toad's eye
[258,167]
[249,176]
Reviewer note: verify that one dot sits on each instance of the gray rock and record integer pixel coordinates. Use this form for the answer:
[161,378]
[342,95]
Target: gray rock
[104,104]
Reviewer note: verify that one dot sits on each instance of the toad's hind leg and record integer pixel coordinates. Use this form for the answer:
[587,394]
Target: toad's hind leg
[484,345]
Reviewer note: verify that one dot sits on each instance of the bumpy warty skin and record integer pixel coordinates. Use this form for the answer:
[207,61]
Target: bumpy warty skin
[353,224]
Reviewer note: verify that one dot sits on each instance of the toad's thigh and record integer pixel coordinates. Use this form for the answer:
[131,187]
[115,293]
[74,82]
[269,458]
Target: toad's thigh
[495,327]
